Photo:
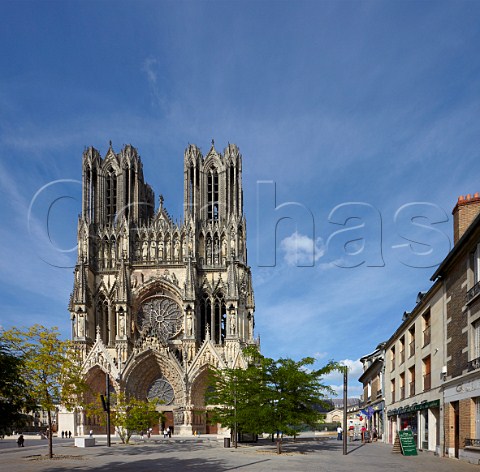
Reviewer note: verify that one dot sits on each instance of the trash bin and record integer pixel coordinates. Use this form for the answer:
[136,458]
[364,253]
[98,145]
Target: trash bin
[226,442]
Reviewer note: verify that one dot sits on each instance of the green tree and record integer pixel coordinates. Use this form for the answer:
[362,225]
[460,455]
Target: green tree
[295,392]
[275,396]
[14,398]
[127,415]
[51,369]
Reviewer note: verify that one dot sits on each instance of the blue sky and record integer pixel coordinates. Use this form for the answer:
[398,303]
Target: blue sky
[354,110]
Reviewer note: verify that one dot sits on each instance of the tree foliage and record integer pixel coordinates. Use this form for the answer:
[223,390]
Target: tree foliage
[51,370]
[127,415]
[269,395]
[14,397]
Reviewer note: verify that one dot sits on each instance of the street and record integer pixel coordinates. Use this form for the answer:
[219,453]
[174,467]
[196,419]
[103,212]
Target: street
[206,453]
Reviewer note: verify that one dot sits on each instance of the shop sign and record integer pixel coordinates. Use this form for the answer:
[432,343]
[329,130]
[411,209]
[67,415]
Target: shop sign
[414,407]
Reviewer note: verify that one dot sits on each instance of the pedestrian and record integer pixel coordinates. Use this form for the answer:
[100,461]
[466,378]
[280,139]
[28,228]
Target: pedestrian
[351,432]
[374,433]
[169,432]
[69,434]
[91,433]
[339,433]
[20,440]
[363,430]
[63,434]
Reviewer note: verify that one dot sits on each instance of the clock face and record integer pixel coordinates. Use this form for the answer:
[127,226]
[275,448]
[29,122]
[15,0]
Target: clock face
[161,317]
[161,390]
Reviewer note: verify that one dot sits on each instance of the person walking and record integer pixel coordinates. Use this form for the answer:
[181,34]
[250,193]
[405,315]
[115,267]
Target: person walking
[339,433]
[20,440]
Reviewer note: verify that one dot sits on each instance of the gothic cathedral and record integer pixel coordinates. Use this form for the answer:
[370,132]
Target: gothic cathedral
[155,302]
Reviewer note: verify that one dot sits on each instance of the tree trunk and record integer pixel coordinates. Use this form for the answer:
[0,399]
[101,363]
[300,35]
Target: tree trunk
[50,434]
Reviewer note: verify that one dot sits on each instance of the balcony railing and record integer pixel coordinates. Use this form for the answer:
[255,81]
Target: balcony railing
[412,388]
[427,382]
[472,442]
[473,292]
[402,356]
[474,364]
[412,348]
[402,393]
[426,336]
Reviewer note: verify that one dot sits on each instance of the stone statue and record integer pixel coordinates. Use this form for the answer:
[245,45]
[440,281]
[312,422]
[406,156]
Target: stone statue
[189,323]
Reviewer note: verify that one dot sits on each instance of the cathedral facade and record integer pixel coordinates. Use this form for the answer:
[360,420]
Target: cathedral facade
[155,302]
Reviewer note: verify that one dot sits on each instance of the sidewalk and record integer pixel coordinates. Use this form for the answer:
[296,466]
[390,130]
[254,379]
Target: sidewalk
[207,455]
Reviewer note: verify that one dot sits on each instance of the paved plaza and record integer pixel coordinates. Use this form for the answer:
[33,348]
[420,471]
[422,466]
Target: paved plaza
[208,454]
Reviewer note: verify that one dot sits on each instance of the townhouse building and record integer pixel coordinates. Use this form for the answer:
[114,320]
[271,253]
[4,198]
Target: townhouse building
[414,362]
[459,273]
[373,389]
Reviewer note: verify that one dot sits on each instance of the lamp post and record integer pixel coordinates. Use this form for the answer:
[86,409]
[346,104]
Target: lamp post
[107,395]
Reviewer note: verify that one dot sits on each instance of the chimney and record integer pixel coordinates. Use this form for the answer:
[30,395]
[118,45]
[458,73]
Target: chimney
[465,211]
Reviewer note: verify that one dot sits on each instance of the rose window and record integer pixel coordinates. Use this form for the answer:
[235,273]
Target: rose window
[161,390]
[161,317]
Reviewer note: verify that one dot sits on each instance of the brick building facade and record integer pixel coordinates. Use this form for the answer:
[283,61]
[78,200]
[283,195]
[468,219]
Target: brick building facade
[460,275]
[432,361]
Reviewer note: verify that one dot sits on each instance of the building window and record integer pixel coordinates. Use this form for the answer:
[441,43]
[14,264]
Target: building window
[476,265]
[402,386]
[369,391]
[411,373]
[477,417]
[427,381]
[402,350]
[392,357]
[426,328]
[213,195]
[411,335]
[111,195]
[393,390]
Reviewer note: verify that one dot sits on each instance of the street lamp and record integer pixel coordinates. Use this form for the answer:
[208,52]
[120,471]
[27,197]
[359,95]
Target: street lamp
[106,406]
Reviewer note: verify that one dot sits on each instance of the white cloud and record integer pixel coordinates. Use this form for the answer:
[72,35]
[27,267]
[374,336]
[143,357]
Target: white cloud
[301,250]
[335,379]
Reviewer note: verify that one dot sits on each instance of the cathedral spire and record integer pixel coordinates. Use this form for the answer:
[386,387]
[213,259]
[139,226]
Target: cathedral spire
[189,281]
[80,296]
[232,279]
[122,283]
